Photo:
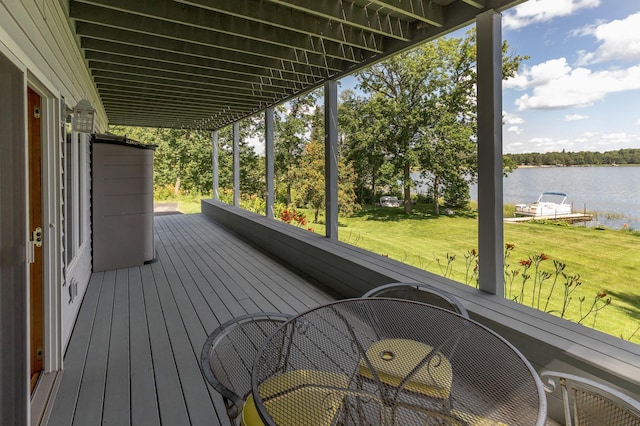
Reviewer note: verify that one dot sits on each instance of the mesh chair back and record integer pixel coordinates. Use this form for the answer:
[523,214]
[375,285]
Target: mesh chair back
[587,402]
[419,293]
[228,354]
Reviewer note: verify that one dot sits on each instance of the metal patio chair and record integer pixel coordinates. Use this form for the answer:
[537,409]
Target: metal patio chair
[419,292]
[587,402]
[228,354]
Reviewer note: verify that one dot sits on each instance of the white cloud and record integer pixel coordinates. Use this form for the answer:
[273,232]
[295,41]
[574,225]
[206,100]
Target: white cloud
[575,117]
[509,118]
[619,40]
[556,85]
[638,122]
[538,74]
[511,123]
[535,11]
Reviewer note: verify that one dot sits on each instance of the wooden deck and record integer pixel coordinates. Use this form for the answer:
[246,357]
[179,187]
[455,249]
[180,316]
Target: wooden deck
[133,355]
[571,218]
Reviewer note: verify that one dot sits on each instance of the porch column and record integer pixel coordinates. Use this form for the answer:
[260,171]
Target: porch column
[236,164]
[490,222]
[214,155]
[268,154]
[331,157]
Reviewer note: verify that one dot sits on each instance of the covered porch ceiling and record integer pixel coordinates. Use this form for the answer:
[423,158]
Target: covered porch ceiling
[203,64]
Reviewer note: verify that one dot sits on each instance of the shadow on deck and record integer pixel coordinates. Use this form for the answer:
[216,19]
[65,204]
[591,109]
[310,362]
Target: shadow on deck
[134,352]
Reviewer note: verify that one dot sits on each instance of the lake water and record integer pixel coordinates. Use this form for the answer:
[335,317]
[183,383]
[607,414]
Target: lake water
[612,193]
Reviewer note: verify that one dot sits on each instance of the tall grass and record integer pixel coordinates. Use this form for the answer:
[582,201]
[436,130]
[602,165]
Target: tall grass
[599,264]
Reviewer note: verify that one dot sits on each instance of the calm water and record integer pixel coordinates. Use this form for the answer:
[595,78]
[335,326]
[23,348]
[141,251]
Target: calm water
[612,193]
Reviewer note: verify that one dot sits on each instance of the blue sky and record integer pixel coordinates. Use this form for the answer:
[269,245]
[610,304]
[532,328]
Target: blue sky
[580,89]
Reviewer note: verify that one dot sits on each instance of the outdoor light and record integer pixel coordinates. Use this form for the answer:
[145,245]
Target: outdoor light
[84,117]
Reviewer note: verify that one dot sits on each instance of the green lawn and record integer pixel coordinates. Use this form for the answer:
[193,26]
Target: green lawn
[605,260]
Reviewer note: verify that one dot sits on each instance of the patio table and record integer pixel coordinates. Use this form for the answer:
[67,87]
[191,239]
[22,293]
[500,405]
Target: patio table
[391,362]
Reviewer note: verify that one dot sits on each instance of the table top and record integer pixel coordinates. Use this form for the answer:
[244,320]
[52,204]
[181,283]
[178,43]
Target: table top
[391,361]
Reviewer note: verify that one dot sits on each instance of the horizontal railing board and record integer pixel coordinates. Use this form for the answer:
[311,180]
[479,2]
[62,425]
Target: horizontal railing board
[543,338]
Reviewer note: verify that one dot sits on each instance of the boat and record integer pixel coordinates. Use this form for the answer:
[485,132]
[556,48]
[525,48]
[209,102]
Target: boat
[389,201]
[549,204]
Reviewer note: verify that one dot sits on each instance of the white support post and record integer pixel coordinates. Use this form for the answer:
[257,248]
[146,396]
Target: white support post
[490,222]
[236,164]
[331,157]
[268,151]
[214,155]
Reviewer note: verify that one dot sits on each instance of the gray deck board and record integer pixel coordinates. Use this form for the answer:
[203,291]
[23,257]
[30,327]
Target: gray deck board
[117,399]
[67,397]
[144,403]
[89,408]
[133,357]
[173,409]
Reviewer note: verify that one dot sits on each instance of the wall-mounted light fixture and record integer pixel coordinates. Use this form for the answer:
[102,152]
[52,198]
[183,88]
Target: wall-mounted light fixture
[84,117]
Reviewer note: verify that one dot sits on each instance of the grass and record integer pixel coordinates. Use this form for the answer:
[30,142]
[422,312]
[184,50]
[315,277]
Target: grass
[605,260]
[186,204]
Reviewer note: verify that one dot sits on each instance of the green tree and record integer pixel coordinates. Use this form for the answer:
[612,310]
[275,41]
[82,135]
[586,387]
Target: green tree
[182,159]
[362,147]
[252,176]
[292,122]
[424,102]
[448,149]
[309,181]
[396,88]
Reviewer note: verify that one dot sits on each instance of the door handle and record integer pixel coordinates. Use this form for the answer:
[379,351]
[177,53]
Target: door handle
[36,236]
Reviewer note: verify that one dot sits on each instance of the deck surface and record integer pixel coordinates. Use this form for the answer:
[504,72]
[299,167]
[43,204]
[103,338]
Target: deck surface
[571,218]
[133,355]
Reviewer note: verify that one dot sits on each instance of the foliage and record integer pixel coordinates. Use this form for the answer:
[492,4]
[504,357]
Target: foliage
[183,161]
[531,268]
[361,147]
[293,123]
[182,158]
[419,239]
[421,112]
[252,177]
[309,181]
[580,158]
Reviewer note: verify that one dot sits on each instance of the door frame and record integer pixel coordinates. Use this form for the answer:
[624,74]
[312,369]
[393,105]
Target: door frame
[52,114]
[35,219]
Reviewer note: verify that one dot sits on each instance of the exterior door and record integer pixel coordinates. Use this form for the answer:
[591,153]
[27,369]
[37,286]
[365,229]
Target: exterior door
[36,226]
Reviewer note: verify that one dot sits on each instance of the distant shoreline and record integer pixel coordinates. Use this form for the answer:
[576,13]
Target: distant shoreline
[543,166]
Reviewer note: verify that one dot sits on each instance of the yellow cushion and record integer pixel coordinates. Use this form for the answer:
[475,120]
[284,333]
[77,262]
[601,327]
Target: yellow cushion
[250,416]
[299,398]
[475,420]
[394,359]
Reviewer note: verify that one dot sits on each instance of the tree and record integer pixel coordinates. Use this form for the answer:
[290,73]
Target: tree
[182,159]
[292,123]
[252,178]
[396,88]
[424,102]
[362,147]
[448,149]
[309,181]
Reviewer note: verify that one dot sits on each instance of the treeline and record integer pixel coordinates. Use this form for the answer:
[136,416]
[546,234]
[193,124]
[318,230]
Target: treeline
[415,111]
[582,158]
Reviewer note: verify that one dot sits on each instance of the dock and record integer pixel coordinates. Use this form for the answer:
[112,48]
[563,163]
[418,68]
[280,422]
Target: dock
[571,218]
